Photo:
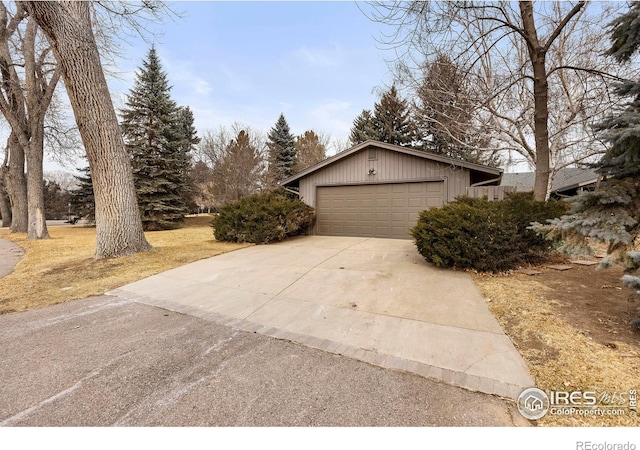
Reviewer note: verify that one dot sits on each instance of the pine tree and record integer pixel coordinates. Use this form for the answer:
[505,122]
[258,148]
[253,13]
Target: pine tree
[237,173]
[363,128]
[56,200]
[443,113]
[282,151]
[309,150]
[611,214]
[158,138]
[81,199]
[392,121]
[187,139]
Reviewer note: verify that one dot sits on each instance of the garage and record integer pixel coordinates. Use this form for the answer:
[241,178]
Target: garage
[386,210]
[377,189]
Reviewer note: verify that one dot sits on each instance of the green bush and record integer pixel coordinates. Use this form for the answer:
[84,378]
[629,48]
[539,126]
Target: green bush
[262,218]
[482,235]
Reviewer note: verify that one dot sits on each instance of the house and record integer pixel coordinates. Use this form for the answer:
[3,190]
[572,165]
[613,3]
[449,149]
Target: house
[533,403]
[566,182]
[377,189]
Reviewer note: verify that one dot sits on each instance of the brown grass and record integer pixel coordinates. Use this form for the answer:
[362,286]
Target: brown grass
[63,268]
[558,355]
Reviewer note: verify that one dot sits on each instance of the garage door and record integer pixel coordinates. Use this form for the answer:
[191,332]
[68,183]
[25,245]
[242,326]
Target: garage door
[375,210]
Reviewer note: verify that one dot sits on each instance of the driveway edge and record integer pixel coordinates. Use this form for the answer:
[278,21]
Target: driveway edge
[451,377]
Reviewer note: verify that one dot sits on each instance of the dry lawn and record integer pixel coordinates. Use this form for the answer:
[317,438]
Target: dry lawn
[559,353]
[62,268]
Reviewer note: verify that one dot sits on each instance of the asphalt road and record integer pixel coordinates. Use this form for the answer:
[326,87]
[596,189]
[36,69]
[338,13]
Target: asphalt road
[104,361]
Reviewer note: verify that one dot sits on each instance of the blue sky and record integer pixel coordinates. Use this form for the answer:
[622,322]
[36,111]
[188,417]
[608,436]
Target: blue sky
[317,62]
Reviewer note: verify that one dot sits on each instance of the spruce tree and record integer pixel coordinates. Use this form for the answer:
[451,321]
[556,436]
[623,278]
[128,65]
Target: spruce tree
[392,121]
[186,140]
[363,128]
[282,151]
[157,138]
[81,199]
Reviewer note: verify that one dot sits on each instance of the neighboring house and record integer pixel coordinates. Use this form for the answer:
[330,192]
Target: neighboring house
[376,189]
[566,183]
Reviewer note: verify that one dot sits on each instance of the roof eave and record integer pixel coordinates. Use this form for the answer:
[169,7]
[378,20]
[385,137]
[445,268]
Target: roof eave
[392,147]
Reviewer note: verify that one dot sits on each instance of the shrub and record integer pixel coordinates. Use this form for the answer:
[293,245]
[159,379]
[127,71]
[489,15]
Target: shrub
[523,210]
[262,218]
[483,235]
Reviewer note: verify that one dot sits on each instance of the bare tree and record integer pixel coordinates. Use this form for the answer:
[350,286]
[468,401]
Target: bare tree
[237,159]
[66,180]
[537,69]
[14,162]
[69,30]
[29,79]
[338,145]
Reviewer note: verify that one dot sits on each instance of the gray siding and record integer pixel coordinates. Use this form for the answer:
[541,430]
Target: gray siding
[389,166]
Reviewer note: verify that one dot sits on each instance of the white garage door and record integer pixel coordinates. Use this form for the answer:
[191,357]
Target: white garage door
[375,210]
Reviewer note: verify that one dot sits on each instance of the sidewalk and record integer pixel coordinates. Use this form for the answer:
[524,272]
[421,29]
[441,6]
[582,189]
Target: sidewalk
[10,255]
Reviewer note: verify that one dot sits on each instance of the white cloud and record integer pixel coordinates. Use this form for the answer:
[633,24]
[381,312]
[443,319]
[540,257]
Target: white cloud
[335,116]
[233,81]
[183,76]
[319,56]
[285,106]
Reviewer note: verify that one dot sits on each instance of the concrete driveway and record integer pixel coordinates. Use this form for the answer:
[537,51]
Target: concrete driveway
[107,362]
[373,300]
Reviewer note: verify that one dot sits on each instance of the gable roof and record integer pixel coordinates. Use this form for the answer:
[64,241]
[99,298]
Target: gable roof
[568,178]
[395,148]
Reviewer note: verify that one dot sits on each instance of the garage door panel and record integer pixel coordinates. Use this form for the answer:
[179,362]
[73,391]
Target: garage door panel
[351,203]
[376,210]
[367,203]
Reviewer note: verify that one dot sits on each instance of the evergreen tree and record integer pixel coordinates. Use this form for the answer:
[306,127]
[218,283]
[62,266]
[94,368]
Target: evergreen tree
[363,128]
[158,136]
[443,113]
[310,149]
[391,120]
[56,200]
[81,199]
[185,144]
[282,151]
[237,173]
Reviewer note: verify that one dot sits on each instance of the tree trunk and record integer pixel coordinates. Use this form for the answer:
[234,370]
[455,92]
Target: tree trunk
[67,25]
[37,228]
[37,102]
[5,208]
[17,186]
[537,55]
